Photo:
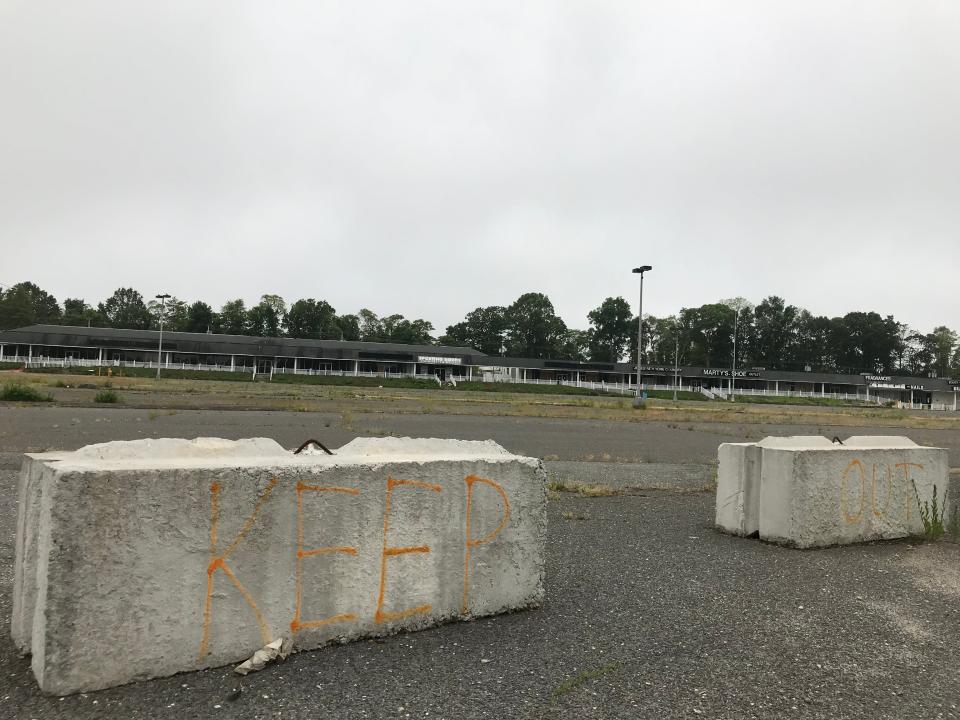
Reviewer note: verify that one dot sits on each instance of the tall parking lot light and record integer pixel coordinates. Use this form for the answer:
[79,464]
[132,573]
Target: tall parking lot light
[638,399]
[163,301]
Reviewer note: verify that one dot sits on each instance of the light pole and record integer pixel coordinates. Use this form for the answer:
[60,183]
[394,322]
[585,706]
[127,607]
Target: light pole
[733,370]
[676,361]
[163,301]
[638,398]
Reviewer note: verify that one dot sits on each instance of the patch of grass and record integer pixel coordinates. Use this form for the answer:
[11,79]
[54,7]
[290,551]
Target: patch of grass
[580,488]
[60,384]
[932,514]
[107,395]
[165,373]
[579,679]
[18,392]
[10,365]
[783,400]
[569,515]
[358,381]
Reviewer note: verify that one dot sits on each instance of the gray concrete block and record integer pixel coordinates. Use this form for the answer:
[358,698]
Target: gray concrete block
[133,565]
[841,495]
[738,488]
[738,480]
[809,492]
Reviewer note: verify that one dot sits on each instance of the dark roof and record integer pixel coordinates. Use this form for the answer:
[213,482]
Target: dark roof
[691,371]
[211,343]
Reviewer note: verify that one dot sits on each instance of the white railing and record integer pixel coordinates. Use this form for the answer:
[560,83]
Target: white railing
[621,388]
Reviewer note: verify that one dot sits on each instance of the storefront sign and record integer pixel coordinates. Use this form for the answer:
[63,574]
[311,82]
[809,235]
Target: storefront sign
[726,373]
[439,360]
[878,378]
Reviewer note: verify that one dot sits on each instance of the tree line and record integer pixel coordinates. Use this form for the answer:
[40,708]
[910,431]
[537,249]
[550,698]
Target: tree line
[771,334]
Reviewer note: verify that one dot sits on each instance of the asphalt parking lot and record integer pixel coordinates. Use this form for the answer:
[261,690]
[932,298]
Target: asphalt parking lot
[649,613]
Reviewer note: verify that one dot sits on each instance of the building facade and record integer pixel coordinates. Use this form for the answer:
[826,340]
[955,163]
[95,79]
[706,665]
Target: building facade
[40,345]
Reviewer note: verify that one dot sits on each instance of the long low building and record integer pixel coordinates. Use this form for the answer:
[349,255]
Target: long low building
[39,345]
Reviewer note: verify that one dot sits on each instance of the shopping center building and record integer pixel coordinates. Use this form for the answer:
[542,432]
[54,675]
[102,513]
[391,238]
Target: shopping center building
[44,345]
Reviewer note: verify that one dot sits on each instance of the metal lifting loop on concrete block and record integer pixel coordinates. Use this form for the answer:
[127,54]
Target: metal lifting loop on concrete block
[319,444]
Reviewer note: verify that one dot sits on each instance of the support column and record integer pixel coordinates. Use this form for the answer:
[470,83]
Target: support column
[1,352]
[295,366]
[356,366]
[776,387]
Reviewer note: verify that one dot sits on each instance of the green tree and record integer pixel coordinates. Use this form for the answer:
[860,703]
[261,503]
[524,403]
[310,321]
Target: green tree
[483,329]
[813,346]
[311,318]
[200,318]
[533,328]
[27,304]
[775,333]
[266,317]
[576,345]
[76,312]
[943,340]
[613,326]
[711,334]
[921,354]
[865,342]
[125,309]
[349,326]
[174,313]
[233,318]
[371,328]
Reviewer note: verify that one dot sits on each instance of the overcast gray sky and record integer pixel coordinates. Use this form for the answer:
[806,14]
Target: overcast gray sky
[429,157]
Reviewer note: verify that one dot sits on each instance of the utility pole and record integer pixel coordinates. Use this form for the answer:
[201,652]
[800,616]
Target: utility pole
[676,362]
[163,300]
[638,400]
[733,370]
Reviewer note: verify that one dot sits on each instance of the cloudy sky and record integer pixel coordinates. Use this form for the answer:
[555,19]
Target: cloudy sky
[429,157]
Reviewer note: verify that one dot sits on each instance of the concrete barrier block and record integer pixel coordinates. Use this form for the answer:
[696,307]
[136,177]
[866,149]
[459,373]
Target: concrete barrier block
[841,495]
[738,480]
[143,559]
[810,492]
[738,488]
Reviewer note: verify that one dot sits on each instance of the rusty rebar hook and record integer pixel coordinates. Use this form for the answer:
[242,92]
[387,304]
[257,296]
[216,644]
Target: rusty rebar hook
[319,444]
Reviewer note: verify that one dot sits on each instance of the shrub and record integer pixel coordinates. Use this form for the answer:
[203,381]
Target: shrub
[931,514]
[107,395]
[23,393]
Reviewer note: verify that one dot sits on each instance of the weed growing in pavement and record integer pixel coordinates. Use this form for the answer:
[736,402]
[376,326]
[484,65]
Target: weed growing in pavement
[582,489]
[346,419]
[23,393]
[579,679]
[568,515]
[107,395]
[931,514]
